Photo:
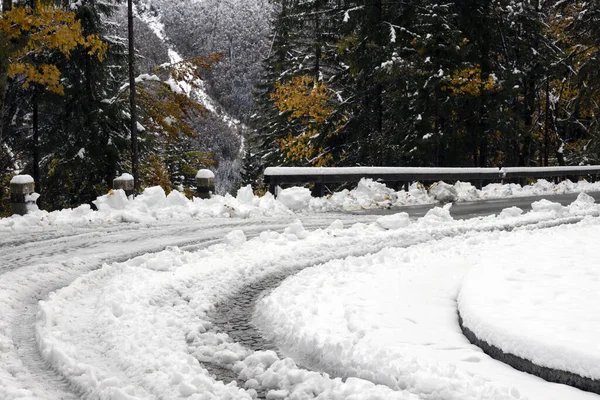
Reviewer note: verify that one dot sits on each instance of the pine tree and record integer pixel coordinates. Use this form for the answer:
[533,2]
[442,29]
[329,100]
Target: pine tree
[85,139]
[268,121]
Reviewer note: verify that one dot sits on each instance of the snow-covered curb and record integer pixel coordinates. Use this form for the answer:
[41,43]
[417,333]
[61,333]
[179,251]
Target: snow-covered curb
[153,205]
[540,304]
[129,329]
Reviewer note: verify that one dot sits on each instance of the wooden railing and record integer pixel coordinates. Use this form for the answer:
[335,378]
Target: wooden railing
[320,177]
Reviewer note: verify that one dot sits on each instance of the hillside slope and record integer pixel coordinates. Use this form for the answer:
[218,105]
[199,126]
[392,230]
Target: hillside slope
[236,29]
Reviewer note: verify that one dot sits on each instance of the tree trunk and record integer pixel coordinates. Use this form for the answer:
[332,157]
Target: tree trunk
[36,144]
[525,156]
[3,84]
[376,101]
[132,106]
[4,51]
[547,123]
[486,70]
[318,40]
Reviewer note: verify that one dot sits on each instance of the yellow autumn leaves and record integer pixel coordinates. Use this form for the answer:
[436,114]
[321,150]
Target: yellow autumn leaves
[469,81]
[27,32]
[307,101]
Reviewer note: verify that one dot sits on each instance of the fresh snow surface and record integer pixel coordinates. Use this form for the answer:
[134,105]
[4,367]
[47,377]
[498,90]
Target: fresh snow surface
[35,263]
[391,317]
[154,205]
[141,329]
[21,179]
[539,302]
[205,174]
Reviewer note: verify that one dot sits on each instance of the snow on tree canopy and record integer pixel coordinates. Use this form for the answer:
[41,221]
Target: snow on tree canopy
[125,177]
[22,179]
[205,174]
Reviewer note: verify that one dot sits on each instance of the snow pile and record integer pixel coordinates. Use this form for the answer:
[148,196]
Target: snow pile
[394,221]
[539,188]
[154,205]
[295,198]
[150,206]
[370,194]
[541,303]
[445,193]
[143,328]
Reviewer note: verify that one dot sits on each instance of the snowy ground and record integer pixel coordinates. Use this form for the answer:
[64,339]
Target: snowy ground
[546,311]
[379,311]
[127,296]
[391,317]
[37,261]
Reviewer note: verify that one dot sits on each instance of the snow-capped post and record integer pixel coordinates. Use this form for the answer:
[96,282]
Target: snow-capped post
[205,183]
[126,183]
[22,194]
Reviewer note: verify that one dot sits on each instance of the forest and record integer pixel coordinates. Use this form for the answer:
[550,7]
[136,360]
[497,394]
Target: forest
[291,82]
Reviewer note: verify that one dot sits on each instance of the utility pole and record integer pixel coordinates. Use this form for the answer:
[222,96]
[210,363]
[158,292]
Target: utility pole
[132,106]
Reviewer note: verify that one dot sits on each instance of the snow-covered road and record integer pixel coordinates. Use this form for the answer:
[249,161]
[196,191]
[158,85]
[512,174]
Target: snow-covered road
[37,262]
[133,316]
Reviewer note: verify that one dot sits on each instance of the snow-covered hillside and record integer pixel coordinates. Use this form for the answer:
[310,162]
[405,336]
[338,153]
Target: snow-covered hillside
[167,34]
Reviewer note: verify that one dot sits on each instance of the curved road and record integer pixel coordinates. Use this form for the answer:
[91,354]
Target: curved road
[52,258]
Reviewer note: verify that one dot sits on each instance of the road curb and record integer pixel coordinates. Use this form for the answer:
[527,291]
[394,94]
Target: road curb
[523,365]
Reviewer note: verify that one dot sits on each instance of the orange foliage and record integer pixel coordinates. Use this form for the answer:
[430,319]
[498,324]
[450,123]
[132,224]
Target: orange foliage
[32,32]
[309,101]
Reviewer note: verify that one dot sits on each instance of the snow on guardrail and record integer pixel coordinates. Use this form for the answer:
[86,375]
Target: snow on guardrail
[433,172]
[324,171]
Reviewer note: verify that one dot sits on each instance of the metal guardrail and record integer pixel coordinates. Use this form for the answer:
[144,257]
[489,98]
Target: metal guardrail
[274,176]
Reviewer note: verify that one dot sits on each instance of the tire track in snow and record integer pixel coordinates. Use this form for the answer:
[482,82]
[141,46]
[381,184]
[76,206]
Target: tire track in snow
[234,315]
[55,253]
[71,252]
[103,246]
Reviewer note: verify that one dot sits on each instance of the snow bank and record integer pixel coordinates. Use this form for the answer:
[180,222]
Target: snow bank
[143,328]
[295,198]
[154,205]
[151,206]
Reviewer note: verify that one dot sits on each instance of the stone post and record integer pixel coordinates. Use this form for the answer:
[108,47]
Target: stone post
[22,194]
[205,183]
[125,182]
